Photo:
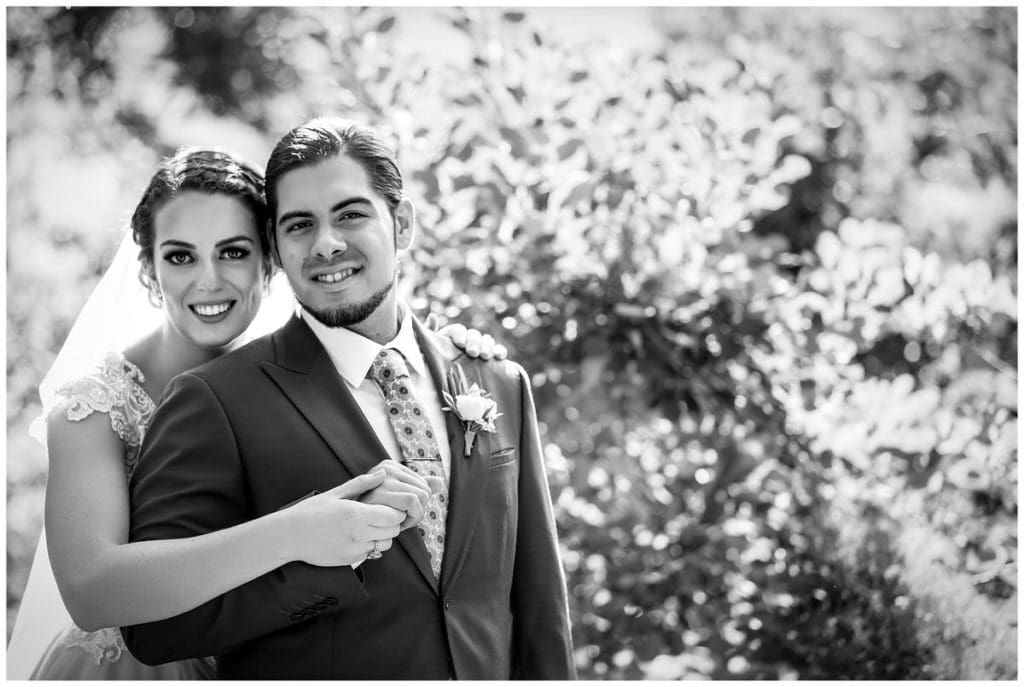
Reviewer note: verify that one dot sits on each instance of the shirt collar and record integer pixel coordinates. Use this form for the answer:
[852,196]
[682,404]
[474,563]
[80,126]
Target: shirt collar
[353,353]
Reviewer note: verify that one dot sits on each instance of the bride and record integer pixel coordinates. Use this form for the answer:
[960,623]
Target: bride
[204,260]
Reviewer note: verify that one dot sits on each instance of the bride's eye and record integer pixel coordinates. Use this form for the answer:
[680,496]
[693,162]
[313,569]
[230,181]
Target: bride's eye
[235,253]
[178,258]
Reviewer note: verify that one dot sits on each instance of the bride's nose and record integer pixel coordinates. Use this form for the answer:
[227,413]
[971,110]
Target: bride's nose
[210,277]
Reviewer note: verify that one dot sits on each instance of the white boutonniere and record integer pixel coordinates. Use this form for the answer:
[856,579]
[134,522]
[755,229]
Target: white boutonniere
[473,406]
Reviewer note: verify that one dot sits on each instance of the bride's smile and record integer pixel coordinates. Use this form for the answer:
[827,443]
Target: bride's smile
[212,312]
[208,267]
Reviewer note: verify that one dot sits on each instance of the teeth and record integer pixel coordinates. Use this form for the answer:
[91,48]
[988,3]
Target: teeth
[336,276]
[211,310]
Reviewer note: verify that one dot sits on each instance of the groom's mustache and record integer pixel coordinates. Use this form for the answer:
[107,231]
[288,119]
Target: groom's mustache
[317,262]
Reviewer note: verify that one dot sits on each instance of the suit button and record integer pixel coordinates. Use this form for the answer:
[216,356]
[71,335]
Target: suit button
[330,601]
[295,617]
[447,604]
[319,606]
[308,611]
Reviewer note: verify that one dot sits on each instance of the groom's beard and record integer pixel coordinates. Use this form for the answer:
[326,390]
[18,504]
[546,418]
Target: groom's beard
[351,313]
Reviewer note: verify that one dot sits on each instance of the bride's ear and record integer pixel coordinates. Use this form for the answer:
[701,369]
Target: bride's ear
[147,275]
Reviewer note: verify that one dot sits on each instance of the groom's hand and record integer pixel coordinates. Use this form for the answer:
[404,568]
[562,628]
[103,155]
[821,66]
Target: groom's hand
[403,490]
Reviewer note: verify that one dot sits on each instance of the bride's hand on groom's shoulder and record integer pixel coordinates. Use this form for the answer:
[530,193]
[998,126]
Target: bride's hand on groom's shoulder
[475,343]
[335,529]
[404,490]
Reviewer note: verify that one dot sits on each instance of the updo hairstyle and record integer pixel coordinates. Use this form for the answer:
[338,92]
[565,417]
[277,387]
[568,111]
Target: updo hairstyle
[206,171]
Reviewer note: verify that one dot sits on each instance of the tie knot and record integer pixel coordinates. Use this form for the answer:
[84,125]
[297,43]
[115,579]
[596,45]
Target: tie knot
[388,366]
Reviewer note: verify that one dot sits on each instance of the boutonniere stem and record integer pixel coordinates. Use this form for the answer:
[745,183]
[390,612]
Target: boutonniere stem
[473,406]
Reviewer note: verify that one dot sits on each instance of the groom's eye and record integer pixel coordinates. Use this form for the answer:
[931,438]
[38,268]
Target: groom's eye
[298,227]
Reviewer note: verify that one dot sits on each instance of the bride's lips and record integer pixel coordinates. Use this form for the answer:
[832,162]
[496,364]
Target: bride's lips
[212,312]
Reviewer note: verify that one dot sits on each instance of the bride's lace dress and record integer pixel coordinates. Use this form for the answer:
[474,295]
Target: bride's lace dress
[113,388]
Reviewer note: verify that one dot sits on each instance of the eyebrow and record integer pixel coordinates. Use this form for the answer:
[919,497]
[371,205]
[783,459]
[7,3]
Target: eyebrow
[222,242]
[294,214]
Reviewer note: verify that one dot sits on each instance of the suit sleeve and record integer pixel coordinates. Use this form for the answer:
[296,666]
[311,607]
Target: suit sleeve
[542,643]
[190,481]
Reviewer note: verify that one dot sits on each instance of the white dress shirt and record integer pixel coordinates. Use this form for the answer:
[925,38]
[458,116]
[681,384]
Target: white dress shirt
[353,354]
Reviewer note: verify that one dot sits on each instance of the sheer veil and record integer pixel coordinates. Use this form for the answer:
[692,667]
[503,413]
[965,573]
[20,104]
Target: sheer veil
[116,314]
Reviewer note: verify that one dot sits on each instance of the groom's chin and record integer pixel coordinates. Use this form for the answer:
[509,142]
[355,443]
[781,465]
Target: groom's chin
[339,317]
[343,315]
[349,314]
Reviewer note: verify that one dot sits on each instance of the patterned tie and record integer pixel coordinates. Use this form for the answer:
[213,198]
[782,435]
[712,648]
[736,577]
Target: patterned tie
[417,441]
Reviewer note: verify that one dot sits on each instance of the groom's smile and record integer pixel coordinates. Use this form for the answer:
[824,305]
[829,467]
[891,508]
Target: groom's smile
[334,278]
[337,241]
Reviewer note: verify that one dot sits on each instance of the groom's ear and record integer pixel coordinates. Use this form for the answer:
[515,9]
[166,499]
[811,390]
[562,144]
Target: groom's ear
[405,224]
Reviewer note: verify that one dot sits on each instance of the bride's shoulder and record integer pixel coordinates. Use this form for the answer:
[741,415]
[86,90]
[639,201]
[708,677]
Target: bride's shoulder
[113,386]
[104,382]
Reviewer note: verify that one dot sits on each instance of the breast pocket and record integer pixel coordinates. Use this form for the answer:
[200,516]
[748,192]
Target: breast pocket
[502,457]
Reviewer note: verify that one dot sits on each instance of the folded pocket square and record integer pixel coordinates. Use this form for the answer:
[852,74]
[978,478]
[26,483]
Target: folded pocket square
[502,457]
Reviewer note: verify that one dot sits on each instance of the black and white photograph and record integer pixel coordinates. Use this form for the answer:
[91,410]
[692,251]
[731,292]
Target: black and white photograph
[584,342]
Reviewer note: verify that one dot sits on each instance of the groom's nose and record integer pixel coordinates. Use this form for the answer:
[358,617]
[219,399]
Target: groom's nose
[329,243]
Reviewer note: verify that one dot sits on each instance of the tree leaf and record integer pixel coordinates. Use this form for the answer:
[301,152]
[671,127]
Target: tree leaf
[569,147]
[520,146]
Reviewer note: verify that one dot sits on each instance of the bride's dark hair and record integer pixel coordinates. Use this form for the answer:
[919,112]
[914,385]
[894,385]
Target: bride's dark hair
[206,171]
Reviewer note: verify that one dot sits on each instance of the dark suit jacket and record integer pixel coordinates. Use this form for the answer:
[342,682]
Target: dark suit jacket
[258,428]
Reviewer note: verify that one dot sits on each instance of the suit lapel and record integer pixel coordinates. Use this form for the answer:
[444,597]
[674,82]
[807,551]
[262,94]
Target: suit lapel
[305,374]
[468,473]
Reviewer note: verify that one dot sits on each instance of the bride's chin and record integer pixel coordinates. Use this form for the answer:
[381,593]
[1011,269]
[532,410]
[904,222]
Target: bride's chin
[215,342]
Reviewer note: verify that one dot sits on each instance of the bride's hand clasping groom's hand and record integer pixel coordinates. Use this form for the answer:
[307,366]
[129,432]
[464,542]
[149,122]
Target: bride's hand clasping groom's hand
[404,490]
[335,529]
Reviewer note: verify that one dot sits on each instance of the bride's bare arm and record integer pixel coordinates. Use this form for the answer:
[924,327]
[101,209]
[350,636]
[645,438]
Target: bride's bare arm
[106,581]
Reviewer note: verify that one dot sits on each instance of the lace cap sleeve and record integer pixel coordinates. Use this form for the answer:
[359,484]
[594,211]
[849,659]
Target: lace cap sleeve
[113,387]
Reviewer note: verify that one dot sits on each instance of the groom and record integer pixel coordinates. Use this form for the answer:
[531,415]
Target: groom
[476,591]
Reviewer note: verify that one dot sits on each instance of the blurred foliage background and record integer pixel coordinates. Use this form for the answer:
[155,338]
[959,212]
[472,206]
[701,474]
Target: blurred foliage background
[761,264]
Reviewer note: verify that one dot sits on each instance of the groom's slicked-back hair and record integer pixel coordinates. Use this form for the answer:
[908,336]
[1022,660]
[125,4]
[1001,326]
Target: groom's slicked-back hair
[325,137]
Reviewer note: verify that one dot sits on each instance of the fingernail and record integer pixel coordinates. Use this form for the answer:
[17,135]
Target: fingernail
[377,471]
